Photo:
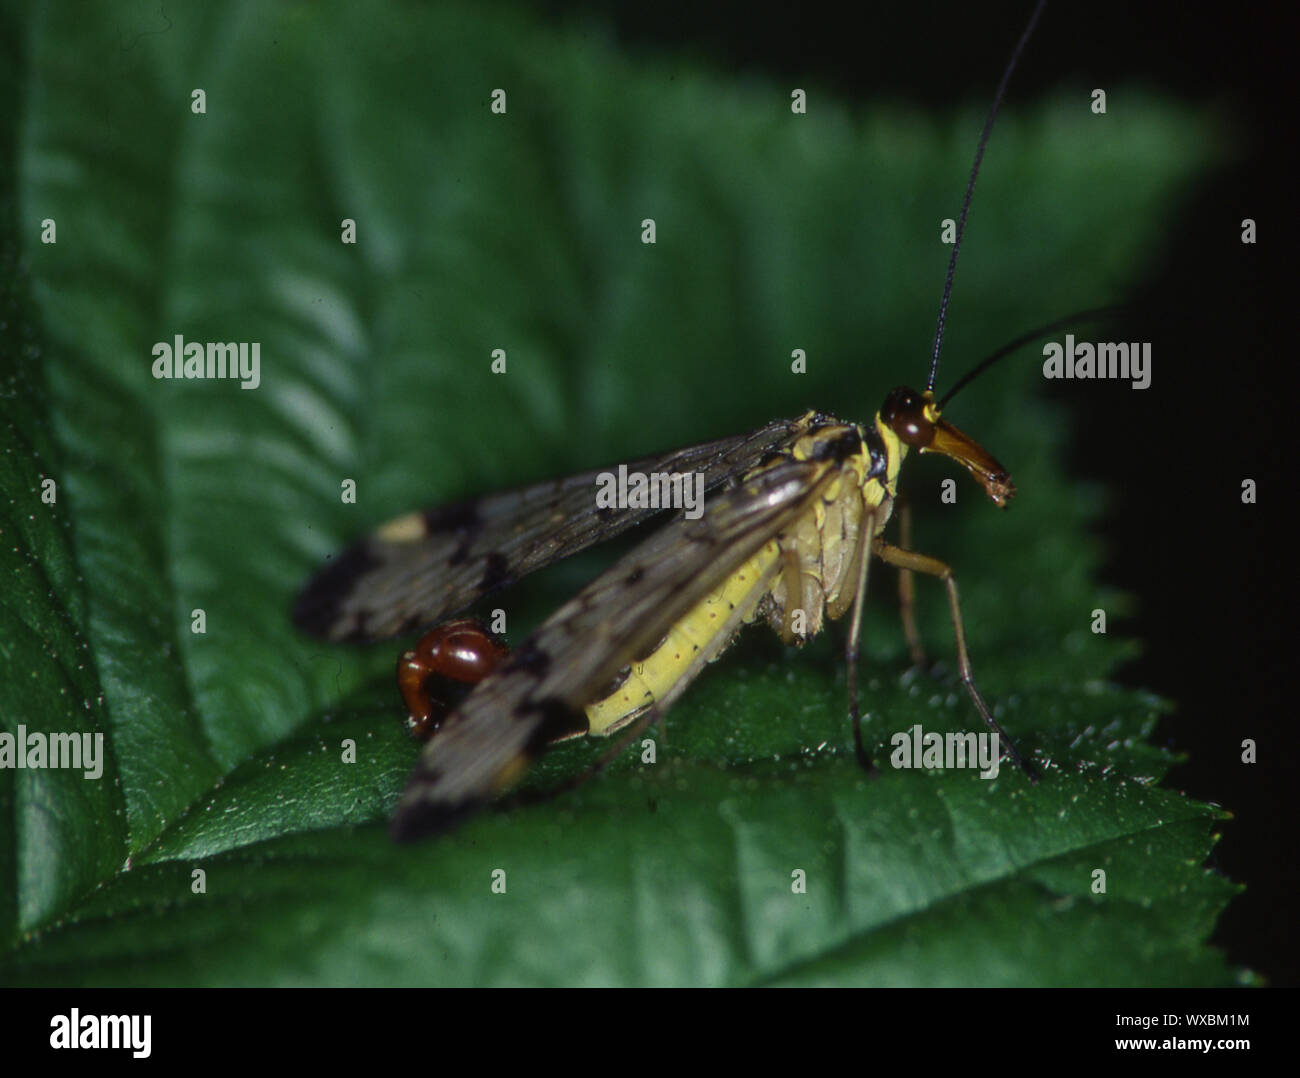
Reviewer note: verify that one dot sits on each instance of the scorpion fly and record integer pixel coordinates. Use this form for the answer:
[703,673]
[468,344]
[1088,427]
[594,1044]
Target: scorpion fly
[795,512]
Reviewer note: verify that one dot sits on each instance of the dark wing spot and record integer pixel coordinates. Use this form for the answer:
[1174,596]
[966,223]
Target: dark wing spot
[528,656]
[634,577]
[461,519]
[495,573]
[317,609]
[558,722]
[422,819]
[458,517]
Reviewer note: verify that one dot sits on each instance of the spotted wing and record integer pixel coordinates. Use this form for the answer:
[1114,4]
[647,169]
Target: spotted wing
[543,688]
[421,568]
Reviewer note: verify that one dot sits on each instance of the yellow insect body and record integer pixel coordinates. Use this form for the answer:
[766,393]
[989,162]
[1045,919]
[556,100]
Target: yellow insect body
[700,637]
[815,561]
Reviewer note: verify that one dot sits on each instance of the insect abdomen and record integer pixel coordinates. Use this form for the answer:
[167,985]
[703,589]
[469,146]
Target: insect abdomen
[698,638]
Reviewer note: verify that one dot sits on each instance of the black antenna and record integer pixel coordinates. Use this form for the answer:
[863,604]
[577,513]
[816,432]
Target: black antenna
[1033,335]
[970,189]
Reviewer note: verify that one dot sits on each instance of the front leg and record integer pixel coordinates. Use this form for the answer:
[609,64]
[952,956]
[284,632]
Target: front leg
[907,589]
[911,562]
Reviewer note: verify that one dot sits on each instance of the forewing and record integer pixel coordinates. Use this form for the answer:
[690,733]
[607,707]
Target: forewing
[539,692]
[425,566]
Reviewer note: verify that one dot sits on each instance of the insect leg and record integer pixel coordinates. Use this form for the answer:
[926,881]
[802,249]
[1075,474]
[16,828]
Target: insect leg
[907,588]
[792,573]
[863,555]
[921,563]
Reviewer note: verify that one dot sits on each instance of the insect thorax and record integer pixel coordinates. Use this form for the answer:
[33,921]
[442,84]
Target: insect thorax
[819,555]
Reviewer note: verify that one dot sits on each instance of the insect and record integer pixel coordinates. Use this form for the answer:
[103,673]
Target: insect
[794,513]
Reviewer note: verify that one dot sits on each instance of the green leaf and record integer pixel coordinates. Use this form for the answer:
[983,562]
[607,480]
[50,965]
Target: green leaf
[522,231]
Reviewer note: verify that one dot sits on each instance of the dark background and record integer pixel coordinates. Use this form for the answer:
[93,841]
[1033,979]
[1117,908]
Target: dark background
[1211,575]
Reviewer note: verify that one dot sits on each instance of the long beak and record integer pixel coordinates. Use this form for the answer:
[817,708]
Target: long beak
[972,456]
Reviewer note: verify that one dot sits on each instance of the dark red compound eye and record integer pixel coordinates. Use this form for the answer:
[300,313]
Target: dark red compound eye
[904,412]
[445,664]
